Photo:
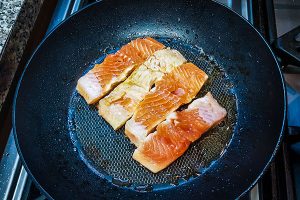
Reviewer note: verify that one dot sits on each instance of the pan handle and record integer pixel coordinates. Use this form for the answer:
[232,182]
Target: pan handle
[287,47]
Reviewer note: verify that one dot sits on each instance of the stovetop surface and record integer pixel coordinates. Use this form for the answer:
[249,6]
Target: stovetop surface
[287,14]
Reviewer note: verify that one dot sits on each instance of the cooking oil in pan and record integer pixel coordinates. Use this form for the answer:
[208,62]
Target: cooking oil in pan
[108,153]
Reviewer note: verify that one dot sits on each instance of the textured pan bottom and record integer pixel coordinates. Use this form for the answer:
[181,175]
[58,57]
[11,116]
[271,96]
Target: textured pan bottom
[109,153]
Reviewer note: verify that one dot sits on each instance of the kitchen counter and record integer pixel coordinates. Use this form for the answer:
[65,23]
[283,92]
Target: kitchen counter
[17,18]
[9,10]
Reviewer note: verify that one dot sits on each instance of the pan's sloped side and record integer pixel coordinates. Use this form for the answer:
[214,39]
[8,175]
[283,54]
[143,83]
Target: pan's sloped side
[41,105]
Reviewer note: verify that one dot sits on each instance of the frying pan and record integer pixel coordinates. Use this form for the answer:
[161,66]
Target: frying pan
[72,153]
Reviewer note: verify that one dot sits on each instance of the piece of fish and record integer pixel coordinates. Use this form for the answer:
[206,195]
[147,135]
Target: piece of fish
[120,104]
[174,135]
[178,87]
[115,68]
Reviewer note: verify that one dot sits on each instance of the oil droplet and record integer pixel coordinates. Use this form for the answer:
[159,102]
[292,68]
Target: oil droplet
[168,40]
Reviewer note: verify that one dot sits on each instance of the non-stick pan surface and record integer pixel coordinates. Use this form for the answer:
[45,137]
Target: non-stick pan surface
[71,152]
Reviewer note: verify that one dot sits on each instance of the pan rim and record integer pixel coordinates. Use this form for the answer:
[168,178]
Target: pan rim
[266,166]
[40,187]
[284,104]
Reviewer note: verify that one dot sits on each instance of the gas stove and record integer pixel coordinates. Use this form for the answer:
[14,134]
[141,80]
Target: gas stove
[282,179]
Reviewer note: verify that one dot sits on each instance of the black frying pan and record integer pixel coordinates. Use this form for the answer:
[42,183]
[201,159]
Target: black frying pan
[71,153]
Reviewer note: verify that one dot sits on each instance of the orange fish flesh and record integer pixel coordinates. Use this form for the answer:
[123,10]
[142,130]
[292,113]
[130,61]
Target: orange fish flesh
[117,107]
[115,68]
[178,87]
[174,135]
